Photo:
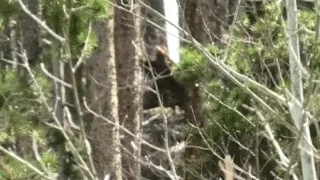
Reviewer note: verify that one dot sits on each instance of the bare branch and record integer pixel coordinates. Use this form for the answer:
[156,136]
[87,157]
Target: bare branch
[83,52]
[43,68]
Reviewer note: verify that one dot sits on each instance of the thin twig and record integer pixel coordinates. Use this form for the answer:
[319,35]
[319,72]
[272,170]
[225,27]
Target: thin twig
[54,78]
[83,52]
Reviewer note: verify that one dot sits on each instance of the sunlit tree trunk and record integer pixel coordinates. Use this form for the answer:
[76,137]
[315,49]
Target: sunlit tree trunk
[127,54]
[296,106]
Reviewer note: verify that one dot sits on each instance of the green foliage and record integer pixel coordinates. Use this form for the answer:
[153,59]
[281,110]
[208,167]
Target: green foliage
[8,9]
[22,108]
[21,112]
[12,169]
[50,159]
[255,47]
[309,42]
[53,13]
[13,110]
[255,50]
[81,14]
[192,68]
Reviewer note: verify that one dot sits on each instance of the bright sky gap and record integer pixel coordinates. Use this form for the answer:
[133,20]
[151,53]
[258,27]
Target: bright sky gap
[171,11]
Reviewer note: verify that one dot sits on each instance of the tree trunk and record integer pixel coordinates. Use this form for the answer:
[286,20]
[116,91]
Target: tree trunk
[30,31]
[296,106]
[103,98]
[208,20]
[28,38]
[127,37]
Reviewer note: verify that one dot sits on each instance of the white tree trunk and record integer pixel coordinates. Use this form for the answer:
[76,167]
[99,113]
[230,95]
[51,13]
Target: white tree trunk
[296,108]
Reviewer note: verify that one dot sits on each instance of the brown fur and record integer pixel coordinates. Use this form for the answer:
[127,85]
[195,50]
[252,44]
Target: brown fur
[172,93]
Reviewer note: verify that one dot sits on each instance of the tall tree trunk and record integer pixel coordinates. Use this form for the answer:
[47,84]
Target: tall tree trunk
[8,43]
[30,31]
[127,37]
[104,137]
[28,39]
[208,20]
[296,107]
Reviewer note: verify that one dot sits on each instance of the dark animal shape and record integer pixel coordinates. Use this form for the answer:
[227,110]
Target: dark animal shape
[172,93]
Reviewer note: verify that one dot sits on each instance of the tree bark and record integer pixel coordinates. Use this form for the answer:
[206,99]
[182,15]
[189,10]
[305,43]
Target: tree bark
[208,20]
[127,54]
[30,31]
[105,138]
[28,38]
[296,106]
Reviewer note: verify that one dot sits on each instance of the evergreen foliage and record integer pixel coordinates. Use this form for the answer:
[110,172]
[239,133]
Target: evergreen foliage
[258,49]
[255,50]
[22,110]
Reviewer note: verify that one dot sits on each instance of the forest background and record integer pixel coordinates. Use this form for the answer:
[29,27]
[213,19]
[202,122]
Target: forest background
[88,90]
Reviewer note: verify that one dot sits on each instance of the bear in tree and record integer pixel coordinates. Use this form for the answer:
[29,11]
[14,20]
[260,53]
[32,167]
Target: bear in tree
[157,73]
